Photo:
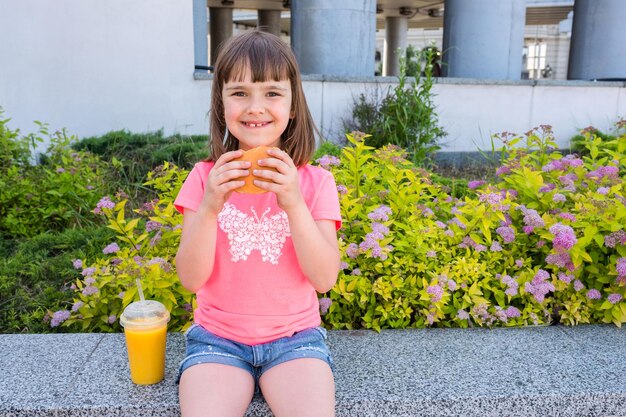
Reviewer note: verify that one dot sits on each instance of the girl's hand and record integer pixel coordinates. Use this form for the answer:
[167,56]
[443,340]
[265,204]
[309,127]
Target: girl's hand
[284,183]
[222,180]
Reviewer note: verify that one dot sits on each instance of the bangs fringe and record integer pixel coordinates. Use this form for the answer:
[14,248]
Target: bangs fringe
[264,59]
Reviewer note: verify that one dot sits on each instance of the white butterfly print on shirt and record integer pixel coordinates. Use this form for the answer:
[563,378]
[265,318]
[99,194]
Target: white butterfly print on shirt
[247,233]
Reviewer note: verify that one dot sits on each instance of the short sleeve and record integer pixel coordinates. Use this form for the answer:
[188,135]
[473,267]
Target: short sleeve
[326,205]
[190,194]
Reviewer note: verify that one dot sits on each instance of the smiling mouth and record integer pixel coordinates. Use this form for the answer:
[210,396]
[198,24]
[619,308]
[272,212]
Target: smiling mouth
[255,124]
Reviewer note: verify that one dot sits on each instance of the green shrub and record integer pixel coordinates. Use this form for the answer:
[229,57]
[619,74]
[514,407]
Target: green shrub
[36,274]
[580,142]
[405,117]
[135,154]
[55,194]
[144,247]
[545,243]
[327,148]
[415,256]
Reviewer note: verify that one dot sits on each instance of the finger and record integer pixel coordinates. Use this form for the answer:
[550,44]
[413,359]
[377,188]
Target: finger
[227,157]
[232,185]
[230,175]
[267,186]
[279,164]
[282,155]
[268,175]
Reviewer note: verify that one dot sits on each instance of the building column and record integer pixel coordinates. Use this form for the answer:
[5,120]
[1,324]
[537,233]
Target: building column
[221,24]
[598,45]
[334,37]
[483,39]
[269,21]
[200,40]
[396,28]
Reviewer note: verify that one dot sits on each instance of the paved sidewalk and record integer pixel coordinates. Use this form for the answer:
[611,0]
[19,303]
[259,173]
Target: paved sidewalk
[534,371]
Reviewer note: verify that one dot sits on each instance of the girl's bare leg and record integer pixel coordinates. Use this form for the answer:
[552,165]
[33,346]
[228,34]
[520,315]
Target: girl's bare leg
[215,390]
[300,388]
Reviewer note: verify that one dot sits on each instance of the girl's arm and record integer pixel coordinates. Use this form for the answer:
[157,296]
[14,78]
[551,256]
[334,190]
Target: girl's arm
[316,247]
[315,242]
[196,253]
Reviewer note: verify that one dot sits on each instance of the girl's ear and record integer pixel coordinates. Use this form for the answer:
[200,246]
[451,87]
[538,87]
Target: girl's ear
[292,114]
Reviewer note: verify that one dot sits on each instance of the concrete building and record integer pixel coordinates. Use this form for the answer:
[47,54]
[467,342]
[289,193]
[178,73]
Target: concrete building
[92,66]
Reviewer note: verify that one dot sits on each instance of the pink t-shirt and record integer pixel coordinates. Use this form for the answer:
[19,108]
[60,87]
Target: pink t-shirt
[257,292]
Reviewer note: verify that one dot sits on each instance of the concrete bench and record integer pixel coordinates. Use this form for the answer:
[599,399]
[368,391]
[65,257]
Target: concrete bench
[533,371]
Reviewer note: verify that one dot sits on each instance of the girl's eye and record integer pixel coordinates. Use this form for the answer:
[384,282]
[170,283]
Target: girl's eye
[239,94]
[273,94]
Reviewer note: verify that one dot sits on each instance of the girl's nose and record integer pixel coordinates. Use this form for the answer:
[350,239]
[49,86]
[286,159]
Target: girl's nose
[255,106]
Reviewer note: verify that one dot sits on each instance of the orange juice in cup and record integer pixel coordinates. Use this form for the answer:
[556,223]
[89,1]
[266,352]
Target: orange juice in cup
[145,327]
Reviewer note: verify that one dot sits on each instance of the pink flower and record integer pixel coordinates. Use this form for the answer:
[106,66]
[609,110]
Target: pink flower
[615,238]
[512,312]
[327,161]
[532,218]
[112,248]
[436,291]
[564,236]
[566,278]
[620,267]
[104,203]
[352,250]
[325,304]
[547,188]
[503,170]
[539,286]
[506,233]
[463,315]
[614,298]
[568,216]
[59,317]
[381,213]
[594,294]
[472,185]
[578,285]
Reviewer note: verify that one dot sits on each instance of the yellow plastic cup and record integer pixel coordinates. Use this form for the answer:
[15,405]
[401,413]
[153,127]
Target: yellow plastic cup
[145,327]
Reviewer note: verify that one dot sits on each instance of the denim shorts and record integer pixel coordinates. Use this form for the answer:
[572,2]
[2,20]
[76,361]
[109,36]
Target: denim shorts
[205,347]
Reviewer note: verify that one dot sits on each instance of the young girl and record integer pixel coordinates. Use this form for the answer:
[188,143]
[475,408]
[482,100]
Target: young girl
[255,261]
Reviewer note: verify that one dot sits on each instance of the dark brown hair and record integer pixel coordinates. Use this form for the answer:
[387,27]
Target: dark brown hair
[268,58]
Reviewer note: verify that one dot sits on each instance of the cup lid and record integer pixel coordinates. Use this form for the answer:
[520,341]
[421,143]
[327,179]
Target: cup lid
[144,313]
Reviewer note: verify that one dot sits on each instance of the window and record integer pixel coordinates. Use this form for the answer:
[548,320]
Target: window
[535,54]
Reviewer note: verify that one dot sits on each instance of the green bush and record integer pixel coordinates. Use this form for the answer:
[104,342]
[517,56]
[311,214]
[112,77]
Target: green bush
[36,275]
[135,154]
[545,243]
[57,193]
[579,142]
[144,248]
[405,117]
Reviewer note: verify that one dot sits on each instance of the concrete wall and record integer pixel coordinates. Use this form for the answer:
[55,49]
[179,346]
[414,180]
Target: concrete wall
[93,66]
[473,110]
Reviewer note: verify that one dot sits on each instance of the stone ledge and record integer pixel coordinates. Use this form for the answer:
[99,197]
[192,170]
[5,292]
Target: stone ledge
[533,371]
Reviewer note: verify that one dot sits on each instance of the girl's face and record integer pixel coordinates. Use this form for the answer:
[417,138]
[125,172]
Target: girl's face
[257,113]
